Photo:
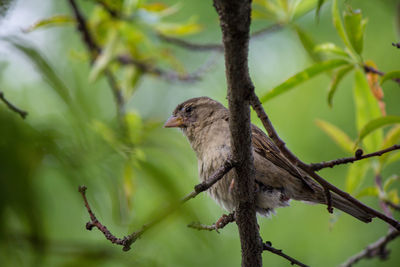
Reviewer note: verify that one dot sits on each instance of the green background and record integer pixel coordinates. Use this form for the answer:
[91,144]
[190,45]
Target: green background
[44,158]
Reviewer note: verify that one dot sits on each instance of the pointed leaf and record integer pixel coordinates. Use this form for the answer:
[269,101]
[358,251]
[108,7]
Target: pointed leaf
[368,191]
[390,75]
[377,124]
[331,48]
[337,135]
[303,76]
[391,138]
[389,181]
[337,78]
[105,57]
[308,43]
[356,175]
[43,66]
[318,9]
[52,21]
[366,109]
[355,27]
[393,157]
[337,22]
[393,196]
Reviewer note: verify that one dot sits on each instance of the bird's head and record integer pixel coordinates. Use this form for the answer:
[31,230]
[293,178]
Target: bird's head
[196,113]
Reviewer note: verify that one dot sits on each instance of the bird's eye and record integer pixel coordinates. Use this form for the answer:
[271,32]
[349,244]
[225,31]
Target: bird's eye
[188,109]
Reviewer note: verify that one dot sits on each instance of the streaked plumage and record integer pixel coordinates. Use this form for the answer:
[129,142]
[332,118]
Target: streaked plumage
[205,122]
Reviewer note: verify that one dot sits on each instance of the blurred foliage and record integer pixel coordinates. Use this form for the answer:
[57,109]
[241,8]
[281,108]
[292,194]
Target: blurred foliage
[135,168]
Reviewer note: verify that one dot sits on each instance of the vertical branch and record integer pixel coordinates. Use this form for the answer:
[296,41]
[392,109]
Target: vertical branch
[235,21]
[94,50]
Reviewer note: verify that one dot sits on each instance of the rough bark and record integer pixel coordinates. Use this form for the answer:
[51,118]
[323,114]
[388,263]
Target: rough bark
[235,20]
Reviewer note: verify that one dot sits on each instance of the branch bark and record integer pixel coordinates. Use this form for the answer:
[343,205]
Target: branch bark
[234,16]
[358,156]
[256,104]
[127,241]
[12,107]
[376,249]
[268,247]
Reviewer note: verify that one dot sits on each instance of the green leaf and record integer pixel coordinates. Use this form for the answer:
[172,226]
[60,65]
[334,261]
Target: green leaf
[52,21]
[390,75]
[128,176]
[106,56]
[355,175]
[366,109]
[302,7]
[308,43]
[318,9]
[331,48]
[355,27]
[393,196]
[303,76]
[375,124]
[368,191]
[45,69]
[135,126]
[389,181]
[337,22]
[393,157]
[337,135]
[180,29]
[131,80]
[392,137]
[337,78]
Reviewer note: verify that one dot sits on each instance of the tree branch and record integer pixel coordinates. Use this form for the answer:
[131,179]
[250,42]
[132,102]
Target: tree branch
[234,16]
[127,241]
[94,50]
[376,249]
[168,75]
[221,223]
[12,107]
[268,247]
[214,47]
[368,69]
[357,157]
[396,45]
[256,104]
[392,205]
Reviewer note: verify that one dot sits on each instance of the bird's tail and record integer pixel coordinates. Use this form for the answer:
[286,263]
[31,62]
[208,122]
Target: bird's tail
[350,208]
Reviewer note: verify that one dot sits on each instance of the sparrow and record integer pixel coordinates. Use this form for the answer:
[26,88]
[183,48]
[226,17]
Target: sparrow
[205,123]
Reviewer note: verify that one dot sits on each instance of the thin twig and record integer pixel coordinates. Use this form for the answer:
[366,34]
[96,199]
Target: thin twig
[168,74]
[268,247]
[392,205]
[272,28]
[190,45]
[221,223]
[11,106]
[382,203]
[127,241]
[368,69]
[214,47]
[215,177]
[94,50]
[376,249]
[257,106]
[333,163]
[396,44]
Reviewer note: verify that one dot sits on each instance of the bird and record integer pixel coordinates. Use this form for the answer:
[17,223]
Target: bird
[205,123]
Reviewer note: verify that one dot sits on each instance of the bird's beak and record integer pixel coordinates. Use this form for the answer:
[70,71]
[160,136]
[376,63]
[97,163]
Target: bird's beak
[173,122]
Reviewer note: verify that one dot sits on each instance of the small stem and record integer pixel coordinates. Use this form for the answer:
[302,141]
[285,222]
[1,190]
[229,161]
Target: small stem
[12,107]
[357,157]
[268,247]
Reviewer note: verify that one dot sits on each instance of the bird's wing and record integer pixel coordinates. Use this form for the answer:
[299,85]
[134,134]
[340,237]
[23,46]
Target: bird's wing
[265,147]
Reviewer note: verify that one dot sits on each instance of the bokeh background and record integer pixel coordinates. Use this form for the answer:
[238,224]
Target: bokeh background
[66,143]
